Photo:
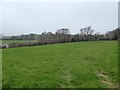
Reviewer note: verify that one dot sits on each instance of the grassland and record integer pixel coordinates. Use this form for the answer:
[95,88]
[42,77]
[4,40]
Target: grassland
[14,41]
[92,64]
[0,69]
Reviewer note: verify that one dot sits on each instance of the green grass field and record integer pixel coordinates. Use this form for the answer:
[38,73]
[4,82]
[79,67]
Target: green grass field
[92,64]
[14,41]
[0,69]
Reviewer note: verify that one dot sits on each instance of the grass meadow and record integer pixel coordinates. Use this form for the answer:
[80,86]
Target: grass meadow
[90,64]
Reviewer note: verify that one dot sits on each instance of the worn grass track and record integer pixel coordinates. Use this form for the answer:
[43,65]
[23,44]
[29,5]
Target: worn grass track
[91,64]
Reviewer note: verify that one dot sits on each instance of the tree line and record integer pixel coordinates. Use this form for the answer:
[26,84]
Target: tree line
[63,35]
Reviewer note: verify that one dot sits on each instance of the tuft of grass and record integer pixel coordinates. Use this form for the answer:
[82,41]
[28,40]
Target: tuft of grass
[68,65]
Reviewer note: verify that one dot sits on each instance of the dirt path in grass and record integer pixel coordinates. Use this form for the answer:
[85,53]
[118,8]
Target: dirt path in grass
[66,77]
[105,79]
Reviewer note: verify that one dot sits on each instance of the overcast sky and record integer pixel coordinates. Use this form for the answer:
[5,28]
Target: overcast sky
[23,18]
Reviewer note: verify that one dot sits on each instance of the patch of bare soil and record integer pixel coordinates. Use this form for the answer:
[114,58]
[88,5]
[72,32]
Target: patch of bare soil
[105,79]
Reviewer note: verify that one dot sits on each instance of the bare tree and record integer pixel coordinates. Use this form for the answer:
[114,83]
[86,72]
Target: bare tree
[63,35]
[86,33]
